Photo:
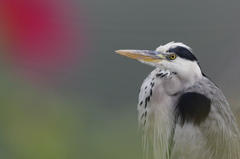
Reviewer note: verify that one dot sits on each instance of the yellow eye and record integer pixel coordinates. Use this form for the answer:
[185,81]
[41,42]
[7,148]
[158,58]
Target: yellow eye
[172,56]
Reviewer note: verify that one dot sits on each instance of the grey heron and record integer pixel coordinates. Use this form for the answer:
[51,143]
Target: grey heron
[182,113]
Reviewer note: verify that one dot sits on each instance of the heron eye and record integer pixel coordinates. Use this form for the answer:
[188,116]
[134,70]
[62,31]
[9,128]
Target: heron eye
[172,56]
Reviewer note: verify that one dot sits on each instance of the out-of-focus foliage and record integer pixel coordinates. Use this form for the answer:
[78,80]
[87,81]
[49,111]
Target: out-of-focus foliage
[39,124]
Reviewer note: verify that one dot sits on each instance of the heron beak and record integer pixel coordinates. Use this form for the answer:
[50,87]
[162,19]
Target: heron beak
[143,55]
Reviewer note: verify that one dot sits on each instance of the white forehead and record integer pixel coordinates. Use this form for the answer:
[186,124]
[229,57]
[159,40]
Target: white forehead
[164,48]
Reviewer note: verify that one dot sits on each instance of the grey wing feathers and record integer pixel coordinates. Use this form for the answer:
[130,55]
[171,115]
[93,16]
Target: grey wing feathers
[215,138]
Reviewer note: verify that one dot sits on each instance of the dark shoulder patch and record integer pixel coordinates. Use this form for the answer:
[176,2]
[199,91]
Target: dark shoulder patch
[183,53]
[192,107]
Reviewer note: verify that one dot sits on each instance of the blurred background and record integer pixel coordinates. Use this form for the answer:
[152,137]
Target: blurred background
[65,93]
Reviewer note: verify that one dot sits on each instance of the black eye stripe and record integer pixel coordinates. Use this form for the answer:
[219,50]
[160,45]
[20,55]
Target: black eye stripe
[183,53]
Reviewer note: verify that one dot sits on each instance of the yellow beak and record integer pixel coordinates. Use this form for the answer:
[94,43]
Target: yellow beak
[142,55]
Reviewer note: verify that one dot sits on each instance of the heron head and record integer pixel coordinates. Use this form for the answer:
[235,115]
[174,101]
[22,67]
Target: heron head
[174,56]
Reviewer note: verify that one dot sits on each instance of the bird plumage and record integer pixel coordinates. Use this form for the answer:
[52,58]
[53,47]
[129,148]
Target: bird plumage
[181,112]
[217,137]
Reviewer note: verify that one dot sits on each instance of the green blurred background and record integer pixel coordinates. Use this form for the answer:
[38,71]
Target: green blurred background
[88,109]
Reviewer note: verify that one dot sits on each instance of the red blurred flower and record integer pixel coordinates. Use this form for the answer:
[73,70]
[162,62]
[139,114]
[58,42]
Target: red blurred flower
[43,35]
